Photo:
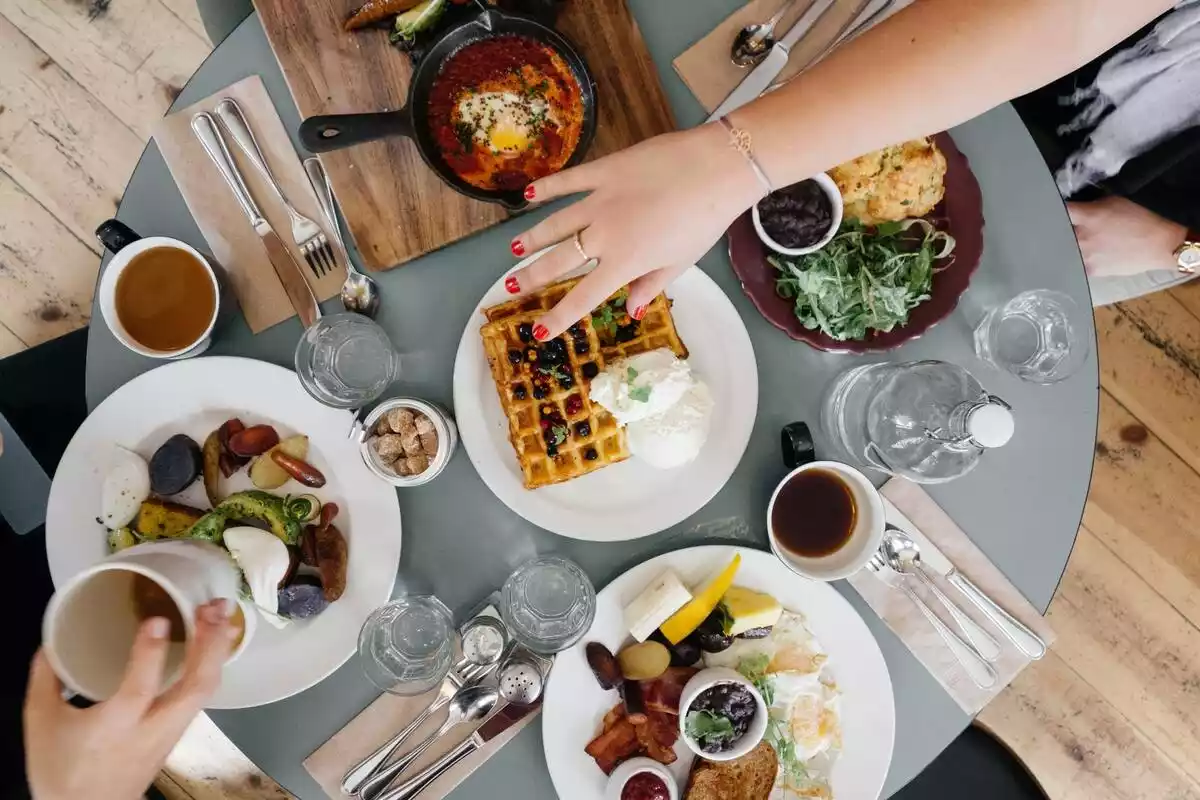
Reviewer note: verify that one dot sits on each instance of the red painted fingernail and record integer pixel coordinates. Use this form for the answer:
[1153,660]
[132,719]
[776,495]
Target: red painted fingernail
[530,192]
[518,248]
[639,312]
[511,285]
[541,332]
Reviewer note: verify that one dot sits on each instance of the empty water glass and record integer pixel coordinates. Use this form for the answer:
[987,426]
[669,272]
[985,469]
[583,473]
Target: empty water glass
[346,360]
[1040,336]
[548,603]
[406,646]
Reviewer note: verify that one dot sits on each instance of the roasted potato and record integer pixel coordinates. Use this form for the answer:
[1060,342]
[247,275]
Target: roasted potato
[212,467]
[266,474]
[162,519]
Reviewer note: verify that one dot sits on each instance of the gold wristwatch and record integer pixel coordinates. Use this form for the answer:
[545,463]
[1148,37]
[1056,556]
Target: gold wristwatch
[1187,257]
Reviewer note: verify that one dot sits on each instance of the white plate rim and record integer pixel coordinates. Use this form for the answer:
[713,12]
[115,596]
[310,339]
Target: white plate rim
[574,703]
[496,464]
[269,393]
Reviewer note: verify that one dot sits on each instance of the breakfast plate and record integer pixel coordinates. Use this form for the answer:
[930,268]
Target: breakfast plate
[576,706]
[193,398]
[629,499]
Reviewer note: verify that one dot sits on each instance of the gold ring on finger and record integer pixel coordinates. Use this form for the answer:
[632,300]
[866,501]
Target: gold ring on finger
[579,246]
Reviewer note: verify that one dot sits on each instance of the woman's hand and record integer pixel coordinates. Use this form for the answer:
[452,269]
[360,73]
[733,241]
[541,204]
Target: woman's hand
[1119,237]
[113,750]
[651,212]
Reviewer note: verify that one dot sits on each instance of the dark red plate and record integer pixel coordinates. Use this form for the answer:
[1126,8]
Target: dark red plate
[960,214]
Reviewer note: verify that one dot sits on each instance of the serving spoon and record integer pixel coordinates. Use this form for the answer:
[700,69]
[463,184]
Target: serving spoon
[753,42]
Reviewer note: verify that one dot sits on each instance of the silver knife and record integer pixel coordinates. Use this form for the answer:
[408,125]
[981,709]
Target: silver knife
[1025,640]
[492,727]
[286,267]
[762,76]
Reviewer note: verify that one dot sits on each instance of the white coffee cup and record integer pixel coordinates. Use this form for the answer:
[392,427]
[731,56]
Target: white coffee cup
[864,539]
[125,246]
[91,622]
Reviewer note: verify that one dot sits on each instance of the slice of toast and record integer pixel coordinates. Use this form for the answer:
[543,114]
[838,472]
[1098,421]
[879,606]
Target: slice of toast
[750,777]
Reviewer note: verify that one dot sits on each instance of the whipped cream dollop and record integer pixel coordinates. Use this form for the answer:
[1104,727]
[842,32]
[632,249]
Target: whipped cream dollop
[665,408]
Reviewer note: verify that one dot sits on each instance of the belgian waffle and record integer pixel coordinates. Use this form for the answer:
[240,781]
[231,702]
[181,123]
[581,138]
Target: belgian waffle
[561,434]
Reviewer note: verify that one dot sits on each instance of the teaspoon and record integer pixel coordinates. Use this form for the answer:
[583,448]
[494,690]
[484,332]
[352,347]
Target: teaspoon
[753,42]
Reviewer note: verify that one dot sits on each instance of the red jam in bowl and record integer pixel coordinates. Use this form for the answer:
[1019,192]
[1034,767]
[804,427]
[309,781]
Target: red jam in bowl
[645,786]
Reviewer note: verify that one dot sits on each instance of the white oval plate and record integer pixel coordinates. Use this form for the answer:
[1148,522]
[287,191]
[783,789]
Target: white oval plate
[630,499]
[194,397]
[575,704]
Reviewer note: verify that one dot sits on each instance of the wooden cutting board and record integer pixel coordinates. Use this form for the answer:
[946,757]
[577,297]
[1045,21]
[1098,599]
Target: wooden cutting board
[396,207]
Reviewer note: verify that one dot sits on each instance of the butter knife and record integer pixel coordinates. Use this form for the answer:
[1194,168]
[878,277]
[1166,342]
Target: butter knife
[286,267]
[762,76]
[492,727]
[1015,631]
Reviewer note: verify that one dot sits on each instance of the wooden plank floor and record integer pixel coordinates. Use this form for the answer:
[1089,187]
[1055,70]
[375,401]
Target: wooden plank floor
[1112,712]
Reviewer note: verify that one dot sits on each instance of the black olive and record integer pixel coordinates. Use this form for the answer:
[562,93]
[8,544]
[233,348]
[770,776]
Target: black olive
[713,642]
[525,331]
[590,370]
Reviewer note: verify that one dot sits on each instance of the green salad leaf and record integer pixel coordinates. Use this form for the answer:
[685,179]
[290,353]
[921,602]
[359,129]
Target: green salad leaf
[707,728]
[865,279]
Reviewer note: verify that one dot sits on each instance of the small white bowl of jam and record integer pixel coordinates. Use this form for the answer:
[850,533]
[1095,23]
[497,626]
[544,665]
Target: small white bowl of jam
[641,779]
[801,218]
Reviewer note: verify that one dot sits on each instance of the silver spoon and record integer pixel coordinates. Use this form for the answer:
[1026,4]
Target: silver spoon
[1025,640]
[753,42]
[904,556]
[471,704]
[360,292]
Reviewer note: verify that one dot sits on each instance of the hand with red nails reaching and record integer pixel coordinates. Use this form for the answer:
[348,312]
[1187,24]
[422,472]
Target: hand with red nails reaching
[653,210]
[114,750]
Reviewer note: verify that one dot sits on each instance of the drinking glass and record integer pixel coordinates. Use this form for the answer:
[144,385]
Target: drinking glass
[548,603]
[346,360]
[1039,336]
[406,646]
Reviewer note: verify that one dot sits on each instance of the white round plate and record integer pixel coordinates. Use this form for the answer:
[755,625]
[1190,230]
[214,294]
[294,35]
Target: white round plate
[575,704]
[194,397]
[630,499]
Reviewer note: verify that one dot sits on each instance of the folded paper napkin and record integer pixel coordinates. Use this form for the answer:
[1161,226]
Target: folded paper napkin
[231,239]
[910,508]
[381,721]
[707,70]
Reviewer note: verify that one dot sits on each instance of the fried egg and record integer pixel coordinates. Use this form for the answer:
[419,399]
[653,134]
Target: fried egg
[504,122]
[791,647]
[808,707]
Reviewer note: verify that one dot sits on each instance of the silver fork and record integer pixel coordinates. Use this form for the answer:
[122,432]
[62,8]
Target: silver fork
[307,234]
[360,773]
[977,669]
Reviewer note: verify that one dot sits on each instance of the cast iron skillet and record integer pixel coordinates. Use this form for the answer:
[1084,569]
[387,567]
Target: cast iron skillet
[333,132]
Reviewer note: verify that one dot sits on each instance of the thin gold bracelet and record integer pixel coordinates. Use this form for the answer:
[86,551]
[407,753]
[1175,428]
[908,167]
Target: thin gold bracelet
[741,141]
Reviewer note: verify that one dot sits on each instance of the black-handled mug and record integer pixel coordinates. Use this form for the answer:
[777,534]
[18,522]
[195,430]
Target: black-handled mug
[126,245]
[797,521]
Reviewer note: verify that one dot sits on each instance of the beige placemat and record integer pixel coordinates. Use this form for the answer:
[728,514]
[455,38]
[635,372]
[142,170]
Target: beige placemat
[909,507]
[705,66]
[381,720]
[230,238]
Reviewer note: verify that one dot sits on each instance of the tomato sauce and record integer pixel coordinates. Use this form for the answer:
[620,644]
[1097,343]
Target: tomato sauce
[523,118]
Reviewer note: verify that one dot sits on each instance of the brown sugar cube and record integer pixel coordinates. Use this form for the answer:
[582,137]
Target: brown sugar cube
[429,443]
[389,447]
[417,464]
[381,426]
[422,424]
[401,468]
[411,442]
[399,419]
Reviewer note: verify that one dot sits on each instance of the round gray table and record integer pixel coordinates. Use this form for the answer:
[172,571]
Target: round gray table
[1022,505]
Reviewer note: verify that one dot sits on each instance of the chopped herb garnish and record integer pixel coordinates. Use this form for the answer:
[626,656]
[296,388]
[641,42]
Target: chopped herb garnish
[631,374]
[641,394]
[707,728]
[560,434]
